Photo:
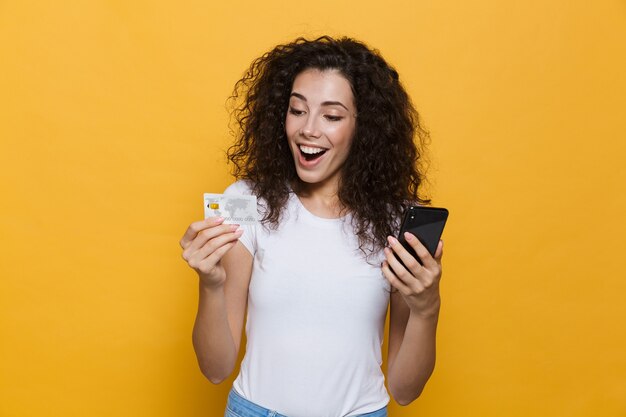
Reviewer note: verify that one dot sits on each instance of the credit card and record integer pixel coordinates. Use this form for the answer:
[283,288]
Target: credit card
[235,209]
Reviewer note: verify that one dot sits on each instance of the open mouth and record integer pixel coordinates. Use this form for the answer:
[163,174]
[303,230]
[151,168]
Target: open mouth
[310,153]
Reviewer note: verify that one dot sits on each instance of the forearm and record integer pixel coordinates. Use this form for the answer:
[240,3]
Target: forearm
[212,338]
[415,360]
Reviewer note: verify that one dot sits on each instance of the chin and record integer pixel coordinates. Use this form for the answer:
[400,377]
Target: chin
[307,178]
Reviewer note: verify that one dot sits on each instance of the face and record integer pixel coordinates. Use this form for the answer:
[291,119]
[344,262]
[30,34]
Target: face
[320,125]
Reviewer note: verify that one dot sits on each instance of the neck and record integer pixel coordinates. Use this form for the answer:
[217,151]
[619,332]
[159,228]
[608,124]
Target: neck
[321,199]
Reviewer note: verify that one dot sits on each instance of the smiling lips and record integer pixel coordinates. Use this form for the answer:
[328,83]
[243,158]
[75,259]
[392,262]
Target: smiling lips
[311,153]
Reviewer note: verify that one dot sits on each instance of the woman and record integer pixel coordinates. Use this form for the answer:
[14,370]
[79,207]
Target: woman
[331,146]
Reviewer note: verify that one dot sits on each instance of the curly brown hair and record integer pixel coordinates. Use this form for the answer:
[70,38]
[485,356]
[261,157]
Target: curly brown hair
[384,171]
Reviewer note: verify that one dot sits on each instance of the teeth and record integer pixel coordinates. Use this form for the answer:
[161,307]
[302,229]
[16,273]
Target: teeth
[311,151]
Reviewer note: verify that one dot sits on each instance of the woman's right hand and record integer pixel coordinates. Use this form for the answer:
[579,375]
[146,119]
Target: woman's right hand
[204,243]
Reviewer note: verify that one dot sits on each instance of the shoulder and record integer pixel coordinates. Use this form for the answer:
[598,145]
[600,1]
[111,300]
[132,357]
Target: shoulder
[239,187]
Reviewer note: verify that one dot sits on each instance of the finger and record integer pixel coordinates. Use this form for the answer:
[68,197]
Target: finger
[411,281]
[410,263]
[197,227]
[216,243]
[393,279]
[211,233]
[208,263]
[439,251]
[427,260]
[393,262]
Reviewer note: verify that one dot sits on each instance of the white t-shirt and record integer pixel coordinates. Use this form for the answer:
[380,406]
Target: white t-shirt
[316,313]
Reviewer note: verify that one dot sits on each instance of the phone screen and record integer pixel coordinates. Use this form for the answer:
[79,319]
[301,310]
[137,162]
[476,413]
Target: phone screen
[427,224]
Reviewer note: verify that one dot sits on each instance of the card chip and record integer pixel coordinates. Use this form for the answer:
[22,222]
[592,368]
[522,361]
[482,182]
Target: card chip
[214,206]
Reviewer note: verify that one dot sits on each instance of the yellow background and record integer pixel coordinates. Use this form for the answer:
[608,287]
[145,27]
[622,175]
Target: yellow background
[113,124]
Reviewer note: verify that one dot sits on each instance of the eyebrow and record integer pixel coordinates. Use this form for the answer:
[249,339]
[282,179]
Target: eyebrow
[326,103]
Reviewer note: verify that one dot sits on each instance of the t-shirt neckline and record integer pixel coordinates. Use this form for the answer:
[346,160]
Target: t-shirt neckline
[305,211]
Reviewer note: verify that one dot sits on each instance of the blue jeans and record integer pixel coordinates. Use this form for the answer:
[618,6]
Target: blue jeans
[237,406]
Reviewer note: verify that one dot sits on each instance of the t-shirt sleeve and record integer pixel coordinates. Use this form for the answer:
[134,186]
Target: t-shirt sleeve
[248,238]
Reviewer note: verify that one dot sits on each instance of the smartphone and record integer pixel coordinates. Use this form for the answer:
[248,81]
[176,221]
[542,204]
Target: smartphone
[427,224]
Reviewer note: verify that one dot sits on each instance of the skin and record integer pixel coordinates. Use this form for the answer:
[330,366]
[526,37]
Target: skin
[224,265]
[321,114]
[414,312]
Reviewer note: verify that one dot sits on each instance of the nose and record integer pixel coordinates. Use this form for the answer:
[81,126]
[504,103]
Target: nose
[310,128]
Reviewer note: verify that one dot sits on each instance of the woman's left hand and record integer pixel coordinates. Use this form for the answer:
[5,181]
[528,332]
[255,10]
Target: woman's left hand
[418,284]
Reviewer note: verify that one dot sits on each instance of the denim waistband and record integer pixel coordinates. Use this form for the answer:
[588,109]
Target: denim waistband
[238,406]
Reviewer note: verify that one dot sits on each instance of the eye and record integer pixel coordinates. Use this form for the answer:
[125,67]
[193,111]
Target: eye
[295,112]
[332,118]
